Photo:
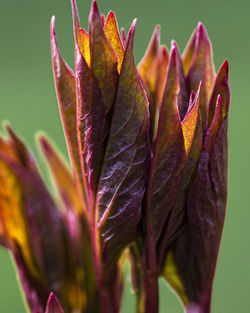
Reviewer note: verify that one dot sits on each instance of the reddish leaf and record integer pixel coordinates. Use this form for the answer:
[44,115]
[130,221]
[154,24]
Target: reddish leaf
[63,178]
[103,58]
[162,73]
[149,69]
[202,69]
[43,218]
[66,93]
[124,172]
[92,132]
[24,201]
[196,250]
[188,53]
[81,36]
[221,88]
[174,223]
[182,94]
[169,155]
[150,55]
[123,36]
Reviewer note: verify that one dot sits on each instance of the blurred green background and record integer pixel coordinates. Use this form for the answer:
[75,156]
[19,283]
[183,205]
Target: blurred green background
[28,101]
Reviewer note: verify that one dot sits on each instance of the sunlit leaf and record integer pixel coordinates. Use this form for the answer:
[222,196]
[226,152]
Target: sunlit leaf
[112,33]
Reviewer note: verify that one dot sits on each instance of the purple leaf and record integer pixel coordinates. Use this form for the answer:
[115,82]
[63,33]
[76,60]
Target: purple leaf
[66,93]
[124,172]
[197,247]
[201,68]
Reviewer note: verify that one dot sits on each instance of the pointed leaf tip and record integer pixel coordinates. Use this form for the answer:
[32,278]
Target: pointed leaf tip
[202,29]
[150,55]
[52,22]
[221,87]
[76,20]
[54,45]
[95,9]
[131,33]
[201,67]
[123,33]
[173,44]
[53,305]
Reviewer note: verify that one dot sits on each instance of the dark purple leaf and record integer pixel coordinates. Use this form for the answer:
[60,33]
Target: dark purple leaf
[124,172]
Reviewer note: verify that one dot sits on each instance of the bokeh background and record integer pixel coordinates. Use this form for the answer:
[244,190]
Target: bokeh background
[28,101]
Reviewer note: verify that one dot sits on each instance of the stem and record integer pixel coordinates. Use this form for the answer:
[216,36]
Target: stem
[107,299]
[107,292]
[151,292]
[150,277]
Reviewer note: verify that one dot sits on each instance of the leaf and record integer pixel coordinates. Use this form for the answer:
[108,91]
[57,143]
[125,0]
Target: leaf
[12,211]
[162,73]
[123,33]
[81,36]
[80,284]
[149,68]
[31,205]
[43,218]
[53,305]
[150,55]
[188,53]
[169,155]
[112,33]
[182,94]
[103,59]
[15,217]
[196,250]
[92,126]
[66,93]
[83,42]
[175,222]
[96,92]
[63,178]
[221,88]
[189,123]
[202,69]
[124,172]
